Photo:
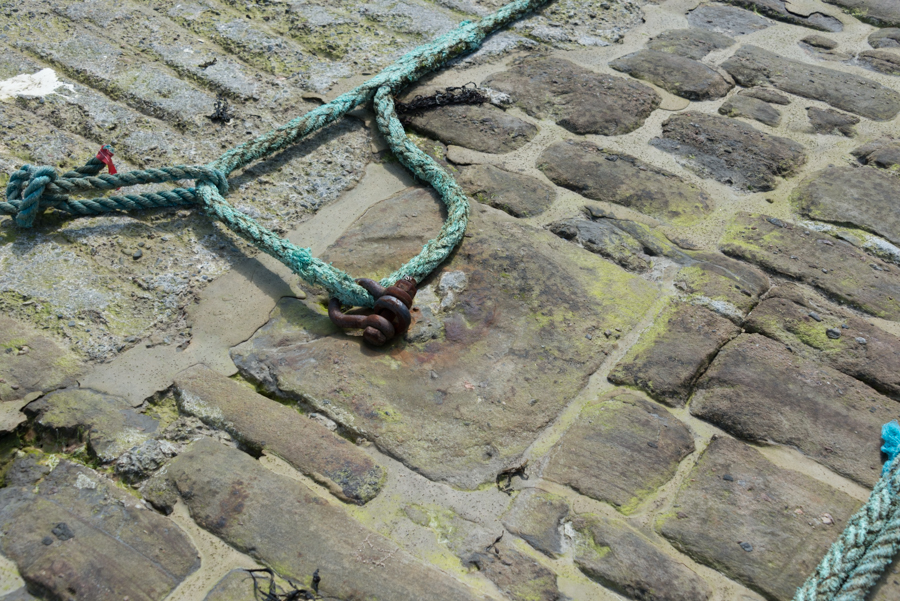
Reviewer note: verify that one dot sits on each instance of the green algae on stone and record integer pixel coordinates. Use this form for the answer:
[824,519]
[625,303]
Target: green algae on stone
[512,351]
[620,451]
[833,266]
[728,287]
[673,352]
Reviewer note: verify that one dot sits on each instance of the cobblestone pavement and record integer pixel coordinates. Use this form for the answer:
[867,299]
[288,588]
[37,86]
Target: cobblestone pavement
[655,369]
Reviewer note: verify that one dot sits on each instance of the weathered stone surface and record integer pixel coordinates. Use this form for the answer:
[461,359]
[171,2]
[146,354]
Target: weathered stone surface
[517,575]
[480,127]
[517,194]
[881,13]
[265,425]
[727,19]
[617,556]
[669,356]
[603,175]
[108,424]
[881,153]
[605,239]
[863,351]
[883,61]
[830,121]
[236,585]
[82,537]
[753,66]
[235,498]
[11,416]
[21,594]
[32,362]
[725,286]
[863,196]
[730,151]
[756,389]
[776,511]
[885,38]
[833,266]
[766,95]
[820,41]
[620,450]
[692,43]
[752,108]
[778,10]
[582,101]
[680,75]
[517,307]
[536,516]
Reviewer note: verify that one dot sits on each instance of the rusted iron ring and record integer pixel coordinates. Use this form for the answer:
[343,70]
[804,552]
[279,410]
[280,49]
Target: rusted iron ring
[391,316]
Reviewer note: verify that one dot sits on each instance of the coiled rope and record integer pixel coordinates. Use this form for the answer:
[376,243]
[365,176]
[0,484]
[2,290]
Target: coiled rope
[32,189]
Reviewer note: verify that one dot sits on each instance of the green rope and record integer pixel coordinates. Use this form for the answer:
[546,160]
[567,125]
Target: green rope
[32,190]
[856,560]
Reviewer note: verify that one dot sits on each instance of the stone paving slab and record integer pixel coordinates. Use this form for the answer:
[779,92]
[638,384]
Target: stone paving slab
[613,554]
[779,10]
[882,13]
[753,108]
[832,335]
[31,361]
[692,43]
[619,450]
[731,151]
[757,523]
[80,526]
[617,178]
[515,193]
[582,101]
[680,75]
[266,425]
[758,390]
[481,128]
[109,425]
[670,356]
[536,516]
[282,523]
[725,19]
[721,284]
[753,66]
[833,266]
[457,407]
[880,153]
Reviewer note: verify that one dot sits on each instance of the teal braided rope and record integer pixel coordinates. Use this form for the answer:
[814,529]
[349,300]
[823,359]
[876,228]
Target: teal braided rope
[34,189]
[854,563]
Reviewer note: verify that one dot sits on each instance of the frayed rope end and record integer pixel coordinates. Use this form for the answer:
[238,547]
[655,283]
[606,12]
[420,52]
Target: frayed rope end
[890,432]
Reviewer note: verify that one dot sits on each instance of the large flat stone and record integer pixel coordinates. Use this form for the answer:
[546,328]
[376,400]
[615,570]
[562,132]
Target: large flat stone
[264,425]
[620,451]
[727,19]
[108,424]
[776,513]
[723,285]
[885,38]
[669,357]
[582,101]
[881,13]
[863,350]
[833,266]
[605,239]
[830,121]
[600,174]
[757,390]
[753,66]
[866,197]
[617,556]
[778,9]
[692,43]
[680,75]
[282,523]
[884,153]
[32,362]
[514,310]
[883,61]
[483,128]
[730,151]
[741,105]
[81,537]
[517,194]
[536,516]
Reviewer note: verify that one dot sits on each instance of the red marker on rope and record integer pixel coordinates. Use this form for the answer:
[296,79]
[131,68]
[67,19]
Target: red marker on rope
[105,155]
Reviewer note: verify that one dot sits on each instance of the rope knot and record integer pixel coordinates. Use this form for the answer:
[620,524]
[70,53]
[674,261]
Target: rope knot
[25,191]
[214,177]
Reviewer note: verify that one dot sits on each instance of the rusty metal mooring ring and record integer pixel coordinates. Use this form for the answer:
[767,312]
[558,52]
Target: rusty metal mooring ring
[391,316]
